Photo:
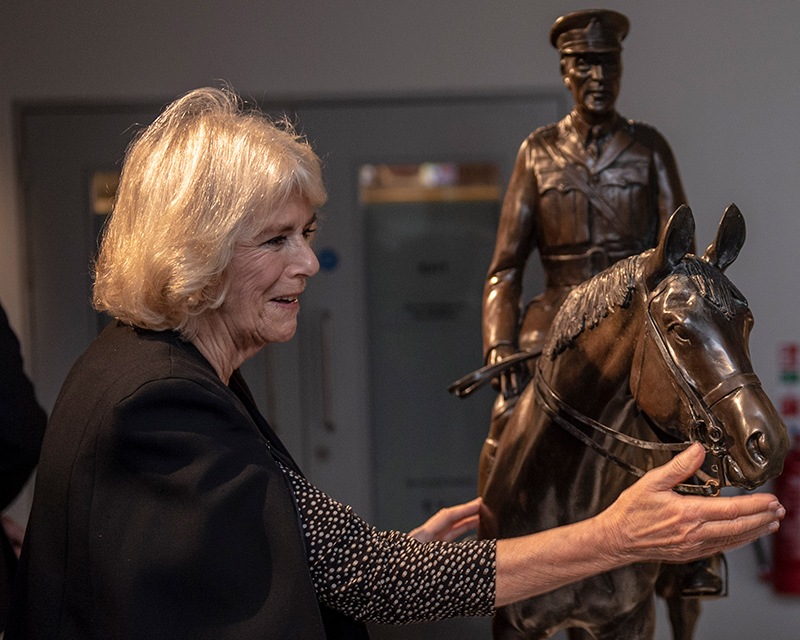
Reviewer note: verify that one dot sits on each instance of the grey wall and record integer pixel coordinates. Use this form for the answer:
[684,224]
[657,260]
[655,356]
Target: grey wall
[720,80]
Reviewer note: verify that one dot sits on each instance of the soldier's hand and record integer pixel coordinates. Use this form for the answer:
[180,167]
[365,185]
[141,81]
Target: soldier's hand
[508,382]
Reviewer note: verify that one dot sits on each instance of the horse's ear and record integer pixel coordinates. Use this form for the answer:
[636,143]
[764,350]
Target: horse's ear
[729,240]
[676,240]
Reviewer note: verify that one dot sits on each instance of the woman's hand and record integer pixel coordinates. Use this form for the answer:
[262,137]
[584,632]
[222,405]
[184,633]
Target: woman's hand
[449,523]
[649,521]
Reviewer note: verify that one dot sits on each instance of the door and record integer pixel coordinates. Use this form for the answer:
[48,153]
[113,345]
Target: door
[365,425]
[426,252]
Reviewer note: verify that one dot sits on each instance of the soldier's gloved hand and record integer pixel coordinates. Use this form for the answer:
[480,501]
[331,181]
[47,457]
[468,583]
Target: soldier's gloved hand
[508,382]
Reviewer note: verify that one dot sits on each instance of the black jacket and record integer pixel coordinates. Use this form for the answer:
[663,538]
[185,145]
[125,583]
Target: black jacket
[22,423]
[159,510]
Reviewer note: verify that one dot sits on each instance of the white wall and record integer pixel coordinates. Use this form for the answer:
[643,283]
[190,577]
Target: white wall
[720,80]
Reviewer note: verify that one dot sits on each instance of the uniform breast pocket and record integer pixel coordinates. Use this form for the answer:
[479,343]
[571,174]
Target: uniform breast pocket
[626,189]
[554,181]
[627,177]
[562,211]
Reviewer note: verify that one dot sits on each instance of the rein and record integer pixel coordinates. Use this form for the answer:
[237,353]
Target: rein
[553,405]
[706,427]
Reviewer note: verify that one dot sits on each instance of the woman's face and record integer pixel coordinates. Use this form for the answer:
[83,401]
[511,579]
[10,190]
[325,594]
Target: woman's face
[266,276]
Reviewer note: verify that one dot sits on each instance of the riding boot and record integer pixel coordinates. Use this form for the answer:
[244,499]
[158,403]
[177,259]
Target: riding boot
[703,578]
[501,412]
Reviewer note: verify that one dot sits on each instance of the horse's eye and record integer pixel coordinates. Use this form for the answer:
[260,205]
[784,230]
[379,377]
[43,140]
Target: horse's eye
[680,332]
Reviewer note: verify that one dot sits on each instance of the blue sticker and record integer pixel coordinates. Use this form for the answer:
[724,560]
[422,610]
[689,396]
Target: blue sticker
[328,259]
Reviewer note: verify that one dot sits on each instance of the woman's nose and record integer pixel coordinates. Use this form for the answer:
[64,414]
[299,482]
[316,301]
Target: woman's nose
[306,261]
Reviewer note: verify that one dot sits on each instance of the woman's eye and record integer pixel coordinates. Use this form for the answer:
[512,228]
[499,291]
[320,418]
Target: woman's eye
[277,241]
[308,234]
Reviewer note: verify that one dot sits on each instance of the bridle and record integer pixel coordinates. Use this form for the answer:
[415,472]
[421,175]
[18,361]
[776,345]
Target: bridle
[706,426]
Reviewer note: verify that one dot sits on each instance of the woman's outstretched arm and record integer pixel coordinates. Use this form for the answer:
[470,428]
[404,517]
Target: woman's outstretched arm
[648,522]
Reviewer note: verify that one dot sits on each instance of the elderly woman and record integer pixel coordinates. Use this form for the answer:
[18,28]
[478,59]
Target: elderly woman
[166,507]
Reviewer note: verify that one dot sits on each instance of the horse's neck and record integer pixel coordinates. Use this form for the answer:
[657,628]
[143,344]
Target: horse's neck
[593,378]
[593,375]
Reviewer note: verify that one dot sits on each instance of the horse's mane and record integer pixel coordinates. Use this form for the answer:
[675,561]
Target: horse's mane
[591,301]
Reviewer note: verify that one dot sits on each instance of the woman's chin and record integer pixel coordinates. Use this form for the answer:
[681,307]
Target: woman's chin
[280,334]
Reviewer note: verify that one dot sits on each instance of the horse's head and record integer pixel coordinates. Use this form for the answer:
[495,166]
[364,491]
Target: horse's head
[692,371]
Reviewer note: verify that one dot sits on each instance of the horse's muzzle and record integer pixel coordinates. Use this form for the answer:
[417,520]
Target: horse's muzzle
[757,437]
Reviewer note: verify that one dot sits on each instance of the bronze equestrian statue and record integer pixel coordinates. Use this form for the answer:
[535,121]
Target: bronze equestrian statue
[587,191]
[648,355]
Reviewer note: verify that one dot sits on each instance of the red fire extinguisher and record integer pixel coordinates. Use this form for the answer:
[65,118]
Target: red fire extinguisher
[786,542]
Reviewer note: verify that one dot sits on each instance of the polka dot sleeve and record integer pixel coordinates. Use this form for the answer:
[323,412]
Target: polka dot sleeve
[386,576]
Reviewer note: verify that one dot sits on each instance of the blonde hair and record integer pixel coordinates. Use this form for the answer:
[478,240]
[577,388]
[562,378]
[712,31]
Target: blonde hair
[191,186]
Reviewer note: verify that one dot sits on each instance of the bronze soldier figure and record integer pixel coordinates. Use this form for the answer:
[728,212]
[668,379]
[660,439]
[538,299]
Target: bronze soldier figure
[587,191]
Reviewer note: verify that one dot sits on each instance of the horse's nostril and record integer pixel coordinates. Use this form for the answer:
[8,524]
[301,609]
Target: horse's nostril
[757,448]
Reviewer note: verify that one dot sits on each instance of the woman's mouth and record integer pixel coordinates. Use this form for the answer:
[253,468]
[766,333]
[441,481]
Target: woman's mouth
[286,300]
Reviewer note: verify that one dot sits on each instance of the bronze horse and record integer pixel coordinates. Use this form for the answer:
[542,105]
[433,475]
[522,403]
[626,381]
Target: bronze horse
[644,357]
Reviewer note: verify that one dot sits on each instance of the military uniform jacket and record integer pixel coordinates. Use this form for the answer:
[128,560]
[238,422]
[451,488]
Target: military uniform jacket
[160,511]
[581,219]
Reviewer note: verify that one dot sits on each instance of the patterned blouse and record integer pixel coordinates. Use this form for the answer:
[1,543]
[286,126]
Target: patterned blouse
[386,576]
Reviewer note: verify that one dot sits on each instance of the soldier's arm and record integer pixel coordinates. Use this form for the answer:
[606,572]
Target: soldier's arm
[670,189]
[515,241]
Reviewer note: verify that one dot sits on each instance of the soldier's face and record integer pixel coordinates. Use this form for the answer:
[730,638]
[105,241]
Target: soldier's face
[594,80]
